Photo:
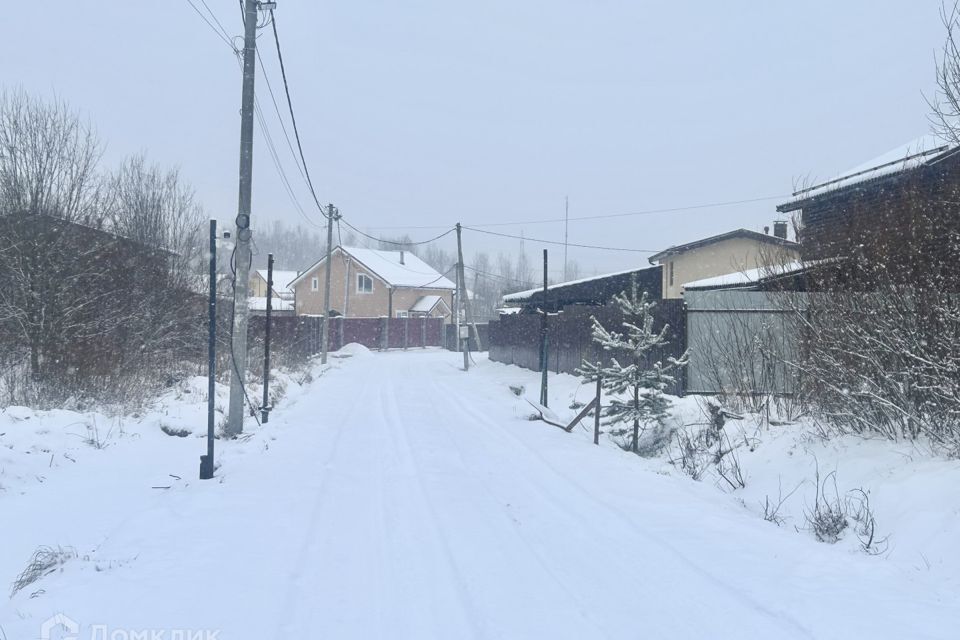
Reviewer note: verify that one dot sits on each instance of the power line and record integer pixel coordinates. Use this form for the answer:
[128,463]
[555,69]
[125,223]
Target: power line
[265,130]
[645,212]
[497,276]
[221,33]
[293,118]
[399,243]
[580,246]
[278,165]
[276,108]
[215,19]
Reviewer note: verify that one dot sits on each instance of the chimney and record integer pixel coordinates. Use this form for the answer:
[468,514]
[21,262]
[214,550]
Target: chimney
[780,229]
[402,262]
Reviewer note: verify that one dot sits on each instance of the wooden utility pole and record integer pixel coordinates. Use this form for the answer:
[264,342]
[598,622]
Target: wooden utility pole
[543,337]
[242,254]
[462,295]
[332,216]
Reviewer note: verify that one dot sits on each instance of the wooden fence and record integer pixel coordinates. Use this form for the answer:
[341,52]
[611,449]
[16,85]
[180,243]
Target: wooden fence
[515,339]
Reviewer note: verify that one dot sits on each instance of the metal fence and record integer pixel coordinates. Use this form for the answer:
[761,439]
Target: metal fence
[301,336]
[743,342]
[515,339]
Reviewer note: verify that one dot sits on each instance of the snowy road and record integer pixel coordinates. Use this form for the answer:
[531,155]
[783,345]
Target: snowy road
[403,498]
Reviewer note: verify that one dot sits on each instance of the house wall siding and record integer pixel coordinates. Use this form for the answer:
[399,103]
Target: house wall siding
[732,255]
[258,286]
[345,299]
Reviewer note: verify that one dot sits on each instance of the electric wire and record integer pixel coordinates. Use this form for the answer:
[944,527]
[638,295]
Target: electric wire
[397,242]
[561,243]
[222,34]
[215,19]
[293,118]
[645,212]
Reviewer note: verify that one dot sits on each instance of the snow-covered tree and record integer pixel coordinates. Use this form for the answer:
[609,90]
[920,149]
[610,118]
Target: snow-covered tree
[637,385]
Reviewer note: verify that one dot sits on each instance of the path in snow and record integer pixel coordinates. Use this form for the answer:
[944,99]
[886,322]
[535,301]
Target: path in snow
[404,498]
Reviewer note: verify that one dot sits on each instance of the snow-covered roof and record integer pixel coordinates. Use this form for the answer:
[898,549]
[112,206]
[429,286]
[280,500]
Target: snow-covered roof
[923,150]
[753,276]
[425,304]
[520,296]
[281,279]
[413,272]
[736,233]
[277,304]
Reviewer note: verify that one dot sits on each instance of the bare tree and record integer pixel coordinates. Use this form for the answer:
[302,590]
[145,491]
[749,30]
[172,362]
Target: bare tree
[155,208]
[945,103]
[48,161]
[95,269]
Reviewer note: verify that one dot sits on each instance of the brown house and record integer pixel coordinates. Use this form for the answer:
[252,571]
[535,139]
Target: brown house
[367,283]
[895,218]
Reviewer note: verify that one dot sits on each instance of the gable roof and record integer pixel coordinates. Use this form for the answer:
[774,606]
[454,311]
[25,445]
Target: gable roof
[923,151]
[281,279]
[426,304]
[414,273]
[729,235]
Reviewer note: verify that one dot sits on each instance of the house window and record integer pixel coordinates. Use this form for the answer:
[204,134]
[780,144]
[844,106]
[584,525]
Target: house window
[671,273]
[364,283]
[402,314]
[315,284]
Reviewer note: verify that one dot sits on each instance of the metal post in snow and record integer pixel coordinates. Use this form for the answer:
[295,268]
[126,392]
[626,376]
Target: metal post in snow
[206,461]
[265,407]
[596,409]
[544,353]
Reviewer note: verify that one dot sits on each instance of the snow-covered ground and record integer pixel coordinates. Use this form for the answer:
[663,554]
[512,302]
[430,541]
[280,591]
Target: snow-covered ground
[396,496]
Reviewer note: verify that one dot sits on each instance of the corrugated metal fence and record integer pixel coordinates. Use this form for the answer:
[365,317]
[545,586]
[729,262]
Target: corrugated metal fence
[301,336]
[738,342]
[743,342]
[515,339]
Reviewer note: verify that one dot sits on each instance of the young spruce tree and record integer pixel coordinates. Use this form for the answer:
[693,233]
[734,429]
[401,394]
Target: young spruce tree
[630,373]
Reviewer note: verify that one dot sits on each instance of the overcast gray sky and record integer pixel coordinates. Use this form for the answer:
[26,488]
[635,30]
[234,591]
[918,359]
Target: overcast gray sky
[423,113]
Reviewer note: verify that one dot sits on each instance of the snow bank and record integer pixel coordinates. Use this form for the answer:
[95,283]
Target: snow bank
[352,349]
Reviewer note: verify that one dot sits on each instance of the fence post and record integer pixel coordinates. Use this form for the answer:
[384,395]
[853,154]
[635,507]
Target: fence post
[423,331]
[596,410]
[406,331]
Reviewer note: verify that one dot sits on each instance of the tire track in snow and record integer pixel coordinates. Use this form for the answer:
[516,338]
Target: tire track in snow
[307,547]
[397,428]
[724,588]
[453,436]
